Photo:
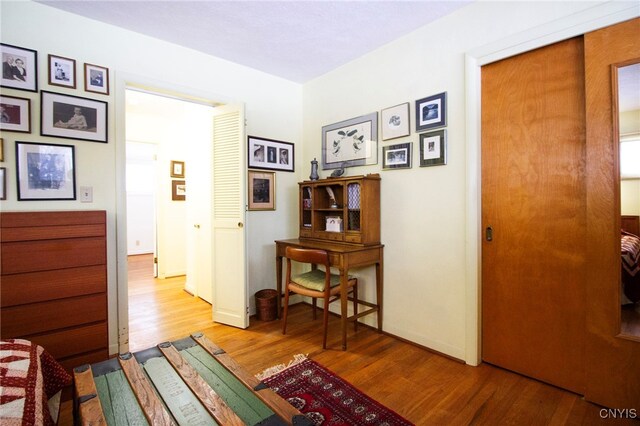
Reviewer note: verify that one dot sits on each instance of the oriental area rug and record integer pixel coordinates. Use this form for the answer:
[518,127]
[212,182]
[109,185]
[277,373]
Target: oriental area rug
[325,398]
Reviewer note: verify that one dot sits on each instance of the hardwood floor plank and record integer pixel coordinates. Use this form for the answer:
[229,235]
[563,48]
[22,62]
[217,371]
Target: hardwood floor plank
[425,388]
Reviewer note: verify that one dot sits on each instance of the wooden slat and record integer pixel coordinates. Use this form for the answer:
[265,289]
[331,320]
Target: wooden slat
[279,406]
[153,408]
[20,289]
[214,404]
[74,341]
[52,233]
[57,218]
[32,256]
[89,411]
[26,320]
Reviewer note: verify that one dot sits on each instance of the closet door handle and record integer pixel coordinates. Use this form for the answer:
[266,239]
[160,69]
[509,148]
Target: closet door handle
[489,233]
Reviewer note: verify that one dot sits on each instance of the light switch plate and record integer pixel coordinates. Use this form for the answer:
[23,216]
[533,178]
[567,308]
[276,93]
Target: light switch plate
[86,194]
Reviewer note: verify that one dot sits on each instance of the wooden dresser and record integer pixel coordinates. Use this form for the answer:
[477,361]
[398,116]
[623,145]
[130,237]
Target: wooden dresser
[54,283]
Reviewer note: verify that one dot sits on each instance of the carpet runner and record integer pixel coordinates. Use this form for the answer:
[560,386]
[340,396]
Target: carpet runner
[325,398]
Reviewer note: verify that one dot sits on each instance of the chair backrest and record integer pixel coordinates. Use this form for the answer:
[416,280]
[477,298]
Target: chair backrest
[317,257]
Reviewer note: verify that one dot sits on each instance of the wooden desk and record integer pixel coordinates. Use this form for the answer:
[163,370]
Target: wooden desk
[343,257]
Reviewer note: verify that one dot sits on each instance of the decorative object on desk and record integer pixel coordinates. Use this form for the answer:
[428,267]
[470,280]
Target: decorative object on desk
[433,148]
[73,117]
[262,190]
[62,71]
[19,68]
[395,121]
[270,154]
[314,170]
[332,198]
[338,172]
[397,156]
[351,142]
[431,112]
[324,397]
[16,114]
[96,79]
[177,169]
[333,224]
[45,172]
[178,190]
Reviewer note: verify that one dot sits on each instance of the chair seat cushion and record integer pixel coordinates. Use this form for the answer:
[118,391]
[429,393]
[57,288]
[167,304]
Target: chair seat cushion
[314,280]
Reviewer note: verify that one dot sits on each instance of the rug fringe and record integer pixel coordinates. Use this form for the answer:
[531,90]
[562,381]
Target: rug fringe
[297,359]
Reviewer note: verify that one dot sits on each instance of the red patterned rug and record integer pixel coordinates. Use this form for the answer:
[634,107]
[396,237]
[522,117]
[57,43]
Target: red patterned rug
[325,398]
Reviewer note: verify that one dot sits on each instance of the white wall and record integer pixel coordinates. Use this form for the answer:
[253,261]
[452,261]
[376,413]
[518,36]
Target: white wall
[423,210]
[273,110]
[141,189]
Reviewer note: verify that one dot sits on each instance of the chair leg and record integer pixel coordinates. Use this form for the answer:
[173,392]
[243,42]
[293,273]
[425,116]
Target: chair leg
[285,310]
[355,306]
[325,321]
[314,304]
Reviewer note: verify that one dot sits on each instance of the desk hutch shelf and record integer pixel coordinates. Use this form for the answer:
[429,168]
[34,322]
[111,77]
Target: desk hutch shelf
[343,209]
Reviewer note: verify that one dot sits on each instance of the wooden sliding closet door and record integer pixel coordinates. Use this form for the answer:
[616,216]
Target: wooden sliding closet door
[612,361]
[533,214]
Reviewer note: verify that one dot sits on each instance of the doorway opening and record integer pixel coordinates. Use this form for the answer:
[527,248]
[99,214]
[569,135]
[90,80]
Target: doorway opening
[169,149]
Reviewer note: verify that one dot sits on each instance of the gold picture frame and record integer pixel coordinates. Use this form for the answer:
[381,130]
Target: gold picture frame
[262,190]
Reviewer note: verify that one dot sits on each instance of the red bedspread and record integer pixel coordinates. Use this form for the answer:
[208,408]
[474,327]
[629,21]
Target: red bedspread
[29,376]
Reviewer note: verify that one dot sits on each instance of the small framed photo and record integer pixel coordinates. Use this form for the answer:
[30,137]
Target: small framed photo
[1,150]
[62,71]
[433,148]
[19,68]
[178,190]
[395,122]
[431,112]
[3,183]
[177,169]
[270,154]
[96,79]
[397,156]
[72,117]
[15,114]
[262,190]
[45,172]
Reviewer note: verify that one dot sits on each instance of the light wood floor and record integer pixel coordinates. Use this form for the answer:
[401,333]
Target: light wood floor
[424,387]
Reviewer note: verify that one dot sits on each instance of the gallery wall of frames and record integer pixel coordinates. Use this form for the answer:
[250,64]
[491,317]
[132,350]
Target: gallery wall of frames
[47,170]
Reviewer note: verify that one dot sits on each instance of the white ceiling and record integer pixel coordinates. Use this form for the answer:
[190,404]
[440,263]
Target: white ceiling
[296,40]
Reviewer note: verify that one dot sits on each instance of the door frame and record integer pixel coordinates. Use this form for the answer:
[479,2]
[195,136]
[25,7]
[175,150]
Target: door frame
[591,19]
[118,304]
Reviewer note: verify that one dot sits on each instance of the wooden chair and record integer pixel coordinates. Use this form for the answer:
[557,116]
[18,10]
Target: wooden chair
[315,284]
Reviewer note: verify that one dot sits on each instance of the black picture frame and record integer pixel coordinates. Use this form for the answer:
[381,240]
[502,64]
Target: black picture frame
[59,117]
[270,154]
[433,148]
[24,77]
[16,114]
[398,156]
[45,171]
[431,112]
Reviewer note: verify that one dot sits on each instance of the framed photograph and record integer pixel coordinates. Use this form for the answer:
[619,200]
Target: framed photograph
[96,79]
[72,117]
[45,172]
[431,112]
[262,190]
[19,68]
[3,183]
[395,122]
[1,150]
[397,156]
[270,154]
[433,148]
[349,143]
[62,71]
[178,190]
[177,169]
[15,114]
